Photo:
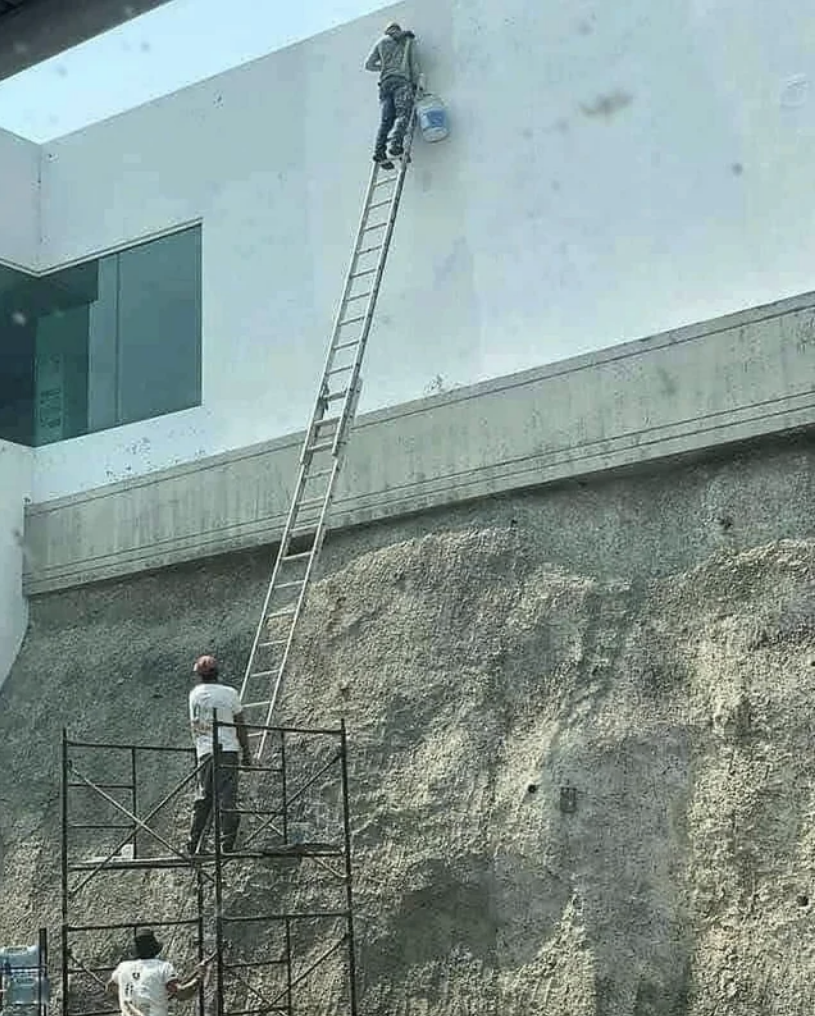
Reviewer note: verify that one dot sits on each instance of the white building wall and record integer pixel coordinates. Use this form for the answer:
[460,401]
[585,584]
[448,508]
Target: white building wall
[614,170]
[19,201]
[16,470]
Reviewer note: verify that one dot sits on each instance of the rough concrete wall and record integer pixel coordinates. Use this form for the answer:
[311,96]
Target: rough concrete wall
[649,641]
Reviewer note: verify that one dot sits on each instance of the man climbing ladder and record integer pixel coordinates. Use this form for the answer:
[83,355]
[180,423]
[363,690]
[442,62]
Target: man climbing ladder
[394,57]
[326,436]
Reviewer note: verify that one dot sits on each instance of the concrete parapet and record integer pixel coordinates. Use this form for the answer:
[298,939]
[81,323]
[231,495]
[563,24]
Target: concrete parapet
[730,380]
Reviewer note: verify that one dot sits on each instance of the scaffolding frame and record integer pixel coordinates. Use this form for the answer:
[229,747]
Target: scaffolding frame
[211,871]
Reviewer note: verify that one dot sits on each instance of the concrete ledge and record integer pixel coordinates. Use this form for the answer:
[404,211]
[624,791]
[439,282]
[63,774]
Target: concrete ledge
[744,376]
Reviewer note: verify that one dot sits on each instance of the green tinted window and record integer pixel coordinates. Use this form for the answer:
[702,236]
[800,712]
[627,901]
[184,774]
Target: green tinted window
[108,342]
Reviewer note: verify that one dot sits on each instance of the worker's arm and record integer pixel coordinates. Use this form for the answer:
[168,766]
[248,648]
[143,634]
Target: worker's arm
[374,61]
[182,992]
[243,739]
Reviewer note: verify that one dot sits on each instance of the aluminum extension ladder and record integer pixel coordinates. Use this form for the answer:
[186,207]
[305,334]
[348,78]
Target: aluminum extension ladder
[324,446]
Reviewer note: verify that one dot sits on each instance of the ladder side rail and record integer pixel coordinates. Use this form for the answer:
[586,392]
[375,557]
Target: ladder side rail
[317,414]
[349,276]
[349,401]
[359,251]
[301,602]
[281,553]
[285,543]
[352,393]
[348,410]
[393,212]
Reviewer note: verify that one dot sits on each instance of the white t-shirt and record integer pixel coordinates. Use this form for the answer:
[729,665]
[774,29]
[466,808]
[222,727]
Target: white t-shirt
[143,983]
[204,699]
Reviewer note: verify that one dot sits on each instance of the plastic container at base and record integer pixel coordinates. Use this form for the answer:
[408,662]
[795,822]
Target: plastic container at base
[432,118]
[24,982]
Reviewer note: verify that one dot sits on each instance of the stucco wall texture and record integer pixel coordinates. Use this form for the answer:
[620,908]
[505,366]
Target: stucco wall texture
[648,640]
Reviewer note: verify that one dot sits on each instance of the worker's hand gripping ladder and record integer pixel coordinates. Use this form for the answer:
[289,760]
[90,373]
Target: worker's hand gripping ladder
[323,449]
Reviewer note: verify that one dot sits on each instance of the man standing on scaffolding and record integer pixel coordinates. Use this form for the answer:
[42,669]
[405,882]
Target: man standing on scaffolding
[208,699]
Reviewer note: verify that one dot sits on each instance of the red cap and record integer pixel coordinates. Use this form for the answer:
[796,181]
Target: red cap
[205,665]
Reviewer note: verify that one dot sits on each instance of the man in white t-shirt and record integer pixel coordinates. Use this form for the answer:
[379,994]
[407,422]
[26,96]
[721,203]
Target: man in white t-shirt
[145,985]
[207,699]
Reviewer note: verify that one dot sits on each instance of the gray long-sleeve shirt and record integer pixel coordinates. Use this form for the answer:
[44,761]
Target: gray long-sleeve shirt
[395,57]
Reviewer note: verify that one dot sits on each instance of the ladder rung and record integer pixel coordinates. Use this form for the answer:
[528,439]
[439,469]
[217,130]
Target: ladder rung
[328,433]
[285,612]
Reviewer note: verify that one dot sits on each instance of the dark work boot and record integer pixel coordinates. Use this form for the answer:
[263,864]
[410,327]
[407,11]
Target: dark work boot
[383,161]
